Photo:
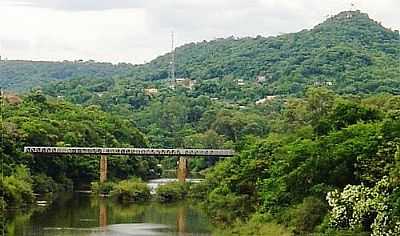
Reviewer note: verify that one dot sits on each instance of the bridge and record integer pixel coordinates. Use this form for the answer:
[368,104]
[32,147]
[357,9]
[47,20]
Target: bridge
[183,154]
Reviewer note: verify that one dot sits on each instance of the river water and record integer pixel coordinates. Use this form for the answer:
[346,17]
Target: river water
[81,214]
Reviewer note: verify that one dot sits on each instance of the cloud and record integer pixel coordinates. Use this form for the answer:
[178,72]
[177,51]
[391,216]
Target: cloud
[81,5]
[139,30]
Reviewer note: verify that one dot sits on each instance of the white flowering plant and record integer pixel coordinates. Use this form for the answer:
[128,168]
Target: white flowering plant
[366,208]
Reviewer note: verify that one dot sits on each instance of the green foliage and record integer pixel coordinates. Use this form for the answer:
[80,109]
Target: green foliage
[105,188]
[304,217]
[23,75]
[171,192]
[57,123]
[16,189]
[197,191]
[232,187]
[44,184]
[255,226]
[287,175]
[133,190]
[360,207]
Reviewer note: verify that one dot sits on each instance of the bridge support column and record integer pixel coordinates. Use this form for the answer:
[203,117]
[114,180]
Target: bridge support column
[103,168]
[182,171]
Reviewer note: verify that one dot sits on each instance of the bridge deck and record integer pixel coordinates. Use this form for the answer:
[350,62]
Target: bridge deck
[130,151]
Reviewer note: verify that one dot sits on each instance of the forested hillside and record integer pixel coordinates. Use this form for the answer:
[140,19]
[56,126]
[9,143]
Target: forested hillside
[349,52]
[24,75]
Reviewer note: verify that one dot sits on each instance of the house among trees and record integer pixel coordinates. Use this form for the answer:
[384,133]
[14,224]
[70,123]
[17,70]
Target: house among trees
[240,82]
[264,100]
[185,82]
[151,91]
[261,79]
[323,83]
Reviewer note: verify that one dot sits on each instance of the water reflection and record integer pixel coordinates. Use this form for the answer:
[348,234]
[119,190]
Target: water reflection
[102,215]
[80,214]
[181,221]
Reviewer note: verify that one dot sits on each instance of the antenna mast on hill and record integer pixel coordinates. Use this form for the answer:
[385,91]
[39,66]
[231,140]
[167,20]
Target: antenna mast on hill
[172,63]
[352,6]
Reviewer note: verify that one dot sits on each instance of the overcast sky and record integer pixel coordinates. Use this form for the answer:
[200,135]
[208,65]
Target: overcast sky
[136,31]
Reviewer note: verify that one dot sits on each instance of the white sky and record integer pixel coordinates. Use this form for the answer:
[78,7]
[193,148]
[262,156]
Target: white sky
[139,30]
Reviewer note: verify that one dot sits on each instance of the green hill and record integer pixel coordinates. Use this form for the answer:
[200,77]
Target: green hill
[349,52]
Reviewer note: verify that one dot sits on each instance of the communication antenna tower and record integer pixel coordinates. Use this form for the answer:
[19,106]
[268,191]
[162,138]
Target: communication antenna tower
[352,6]
[172,63]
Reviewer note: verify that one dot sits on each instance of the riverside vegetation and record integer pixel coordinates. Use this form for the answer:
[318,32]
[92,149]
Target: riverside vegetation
[321,156]
[135,190]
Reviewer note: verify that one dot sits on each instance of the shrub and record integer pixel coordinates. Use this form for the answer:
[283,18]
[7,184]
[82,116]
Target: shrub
[225,206]
[65,184]
[102,188]
[254,227]
[133,190]
[366,208]
[16,191]
[307,215]
[198,191]
[43,184]
[172,192]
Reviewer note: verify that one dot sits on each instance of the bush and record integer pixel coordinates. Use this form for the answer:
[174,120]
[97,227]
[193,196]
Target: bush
[65,184]
[17,188]
[44,184]
[365,208]
[307,215]
[255,226]
[172,192]
[133,190]
[102,188]
[16,191]
[225,206]
[198,191]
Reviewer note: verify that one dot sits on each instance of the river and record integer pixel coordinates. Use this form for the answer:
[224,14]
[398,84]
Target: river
[81,214]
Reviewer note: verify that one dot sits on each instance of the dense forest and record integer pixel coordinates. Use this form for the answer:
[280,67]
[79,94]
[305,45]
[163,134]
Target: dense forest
[328,163]
[314,117]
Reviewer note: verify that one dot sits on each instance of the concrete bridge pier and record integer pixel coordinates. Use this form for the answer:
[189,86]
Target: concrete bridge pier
[182,171]
[103,168]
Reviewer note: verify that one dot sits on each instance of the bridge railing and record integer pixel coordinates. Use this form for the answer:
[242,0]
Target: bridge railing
[131,151]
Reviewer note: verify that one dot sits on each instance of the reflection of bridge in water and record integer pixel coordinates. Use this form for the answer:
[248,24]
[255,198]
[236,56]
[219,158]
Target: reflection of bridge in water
[183,154]
[181,219]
